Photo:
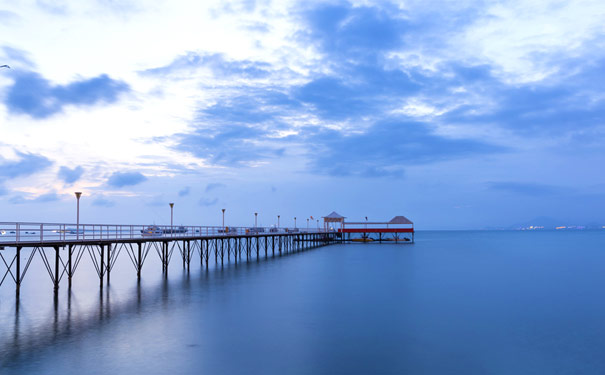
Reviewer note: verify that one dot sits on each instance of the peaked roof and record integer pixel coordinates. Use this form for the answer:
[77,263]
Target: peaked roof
[334,215]
[400,220]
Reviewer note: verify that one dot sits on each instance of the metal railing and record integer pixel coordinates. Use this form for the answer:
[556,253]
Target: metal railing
[17,232]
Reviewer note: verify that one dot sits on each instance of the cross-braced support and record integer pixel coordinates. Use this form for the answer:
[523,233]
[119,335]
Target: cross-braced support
[15,262]
[56,270]
[104,254]
[137,256]
[97,255]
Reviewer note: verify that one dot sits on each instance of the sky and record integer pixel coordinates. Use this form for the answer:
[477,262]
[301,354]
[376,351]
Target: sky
[456,114]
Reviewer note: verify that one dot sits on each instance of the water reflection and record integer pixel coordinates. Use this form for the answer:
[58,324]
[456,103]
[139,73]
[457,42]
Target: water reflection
[73,314]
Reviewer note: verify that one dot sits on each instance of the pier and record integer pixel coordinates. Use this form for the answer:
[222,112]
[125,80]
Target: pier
[61,247]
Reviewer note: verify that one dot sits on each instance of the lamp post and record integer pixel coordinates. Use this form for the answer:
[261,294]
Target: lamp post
[171,216]
[255,217]
[317,224]
[78,195]
[278,221]
[294,222]
[307,224]
[223,218]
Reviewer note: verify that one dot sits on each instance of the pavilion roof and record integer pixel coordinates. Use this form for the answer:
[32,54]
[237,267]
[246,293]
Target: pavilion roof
[400,220]
[333,217]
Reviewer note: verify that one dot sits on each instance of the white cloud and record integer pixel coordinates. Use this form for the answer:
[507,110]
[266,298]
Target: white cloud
[526,40]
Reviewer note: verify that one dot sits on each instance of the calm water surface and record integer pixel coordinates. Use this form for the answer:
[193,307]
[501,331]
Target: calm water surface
[453,303]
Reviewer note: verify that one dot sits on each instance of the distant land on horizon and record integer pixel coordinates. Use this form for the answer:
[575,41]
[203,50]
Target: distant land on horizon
[548,223]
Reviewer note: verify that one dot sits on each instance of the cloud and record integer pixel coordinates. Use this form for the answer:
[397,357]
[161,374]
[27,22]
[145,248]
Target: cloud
[346,112]
[121,179]
[44,198]
[239,130]
[347,31]
[232,145]
[157,201]
[217,63]
[385,148]
[355,43]
[214,186]
[185,191]
[35,96]
[207,202]
[524,188]
[103,202]
[370,92]
[15,57]
[567,109]
[8,17]
[26,165]
[54,7]
[70,176]
[260,27]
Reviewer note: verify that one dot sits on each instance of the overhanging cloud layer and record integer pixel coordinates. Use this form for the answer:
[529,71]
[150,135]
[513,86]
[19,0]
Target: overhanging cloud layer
[410,94]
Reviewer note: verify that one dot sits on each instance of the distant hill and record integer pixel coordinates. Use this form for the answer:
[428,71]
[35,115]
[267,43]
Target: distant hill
[549,223]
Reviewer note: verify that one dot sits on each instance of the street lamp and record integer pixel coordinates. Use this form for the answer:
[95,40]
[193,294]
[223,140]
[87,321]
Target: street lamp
[307,224]
[255,217]
[78,195]
[294,222]
[278,221]
[223,218]
[317,224]
[171,216]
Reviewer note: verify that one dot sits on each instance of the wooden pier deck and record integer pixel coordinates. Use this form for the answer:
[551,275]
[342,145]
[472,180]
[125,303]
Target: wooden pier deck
[62,247]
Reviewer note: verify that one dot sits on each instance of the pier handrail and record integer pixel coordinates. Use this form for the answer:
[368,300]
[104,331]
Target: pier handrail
[27,232]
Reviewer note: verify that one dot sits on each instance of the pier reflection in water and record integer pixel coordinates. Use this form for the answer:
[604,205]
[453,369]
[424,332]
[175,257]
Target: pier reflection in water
[456,302]
[35,323]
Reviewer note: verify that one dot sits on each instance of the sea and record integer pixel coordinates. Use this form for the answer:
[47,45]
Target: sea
[454,302]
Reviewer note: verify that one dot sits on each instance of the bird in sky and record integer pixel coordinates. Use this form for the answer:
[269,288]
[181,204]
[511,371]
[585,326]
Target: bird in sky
[5,66]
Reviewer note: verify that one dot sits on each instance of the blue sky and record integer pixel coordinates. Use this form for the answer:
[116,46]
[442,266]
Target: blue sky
[458,115]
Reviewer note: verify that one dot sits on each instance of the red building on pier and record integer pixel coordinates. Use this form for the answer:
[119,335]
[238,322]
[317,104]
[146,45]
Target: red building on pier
[398,229]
